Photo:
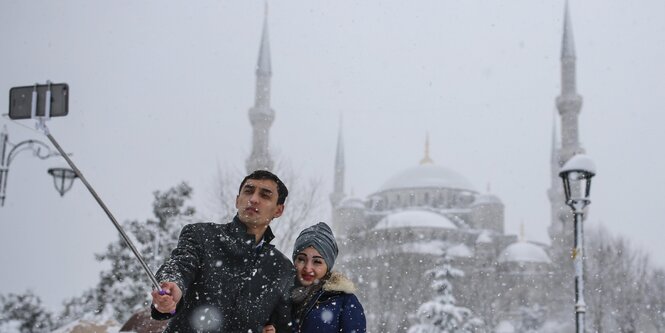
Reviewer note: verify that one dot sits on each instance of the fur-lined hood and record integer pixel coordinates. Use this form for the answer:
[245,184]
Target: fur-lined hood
[339,282]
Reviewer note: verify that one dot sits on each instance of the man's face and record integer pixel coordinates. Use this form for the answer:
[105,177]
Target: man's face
[257,203]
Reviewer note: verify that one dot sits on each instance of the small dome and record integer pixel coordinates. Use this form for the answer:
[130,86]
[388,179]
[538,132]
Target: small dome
[352,202]
[524,252]
[415,219]
[428,176]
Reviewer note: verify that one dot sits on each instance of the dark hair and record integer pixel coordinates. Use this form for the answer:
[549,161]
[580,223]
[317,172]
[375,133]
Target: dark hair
[282,191]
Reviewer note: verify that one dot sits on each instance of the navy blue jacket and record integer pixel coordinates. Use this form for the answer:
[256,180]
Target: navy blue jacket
[335,309]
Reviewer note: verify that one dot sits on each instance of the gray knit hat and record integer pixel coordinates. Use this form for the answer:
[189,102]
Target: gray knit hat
[322,239]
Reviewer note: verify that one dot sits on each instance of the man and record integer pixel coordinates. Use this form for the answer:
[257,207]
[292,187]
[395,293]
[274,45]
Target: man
[227,277]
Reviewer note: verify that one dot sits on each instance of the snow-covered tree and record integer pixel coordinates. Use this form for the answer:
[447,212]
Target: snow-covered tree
[75,307]
[617,284]
[656,299]
[531,318]
[124,287]
[441,314]
[24,313]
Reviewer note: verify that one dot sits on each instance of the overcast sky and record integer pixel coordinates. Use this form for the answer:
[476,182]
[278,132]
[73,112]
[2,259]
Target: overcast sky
[160,92]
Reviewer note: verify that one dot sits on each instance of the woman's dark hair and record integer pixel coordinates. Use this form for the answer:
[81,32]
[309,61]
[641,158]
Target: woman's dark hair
[282,191]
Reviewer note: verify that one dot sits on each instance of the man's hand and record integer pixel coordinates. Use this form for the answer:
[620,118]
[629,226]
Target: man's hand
[167,303]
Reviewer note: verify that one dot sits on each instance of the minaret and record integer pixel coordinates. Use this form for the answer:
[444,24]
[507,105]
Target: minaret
[569,102]
[555,192]
[561,228]
[261,115]
[338,192]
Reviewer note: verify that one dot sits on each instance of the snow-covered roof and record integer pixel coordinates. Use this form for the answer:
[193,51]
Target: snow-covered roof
[428,176]
[90,326]
[352,202]
[486,199]
[415,219]
[460,251]
[435,248]
[484,237]
[524,252]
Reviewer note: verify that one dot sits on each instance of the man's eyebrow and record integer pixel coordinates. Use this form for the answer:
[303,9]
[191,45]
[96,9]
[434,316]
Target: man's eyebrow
[266,191]
[249,186]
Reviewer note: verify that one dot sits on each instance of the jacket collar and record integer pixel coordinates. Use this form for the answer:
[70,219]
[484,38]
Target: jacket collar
[338,282]
[237,227]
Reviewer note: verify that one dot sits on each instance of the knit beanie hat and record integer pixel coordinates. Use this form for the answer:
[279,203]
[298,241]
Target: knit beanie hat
[321,237]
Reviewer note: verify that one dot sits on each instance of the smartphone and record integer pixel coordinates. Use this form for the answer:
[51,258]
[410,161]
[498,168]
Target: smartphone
[20,100]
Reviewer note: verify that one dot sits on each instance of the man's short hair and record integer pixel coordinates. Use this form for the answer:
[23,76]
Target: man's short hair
[282,191]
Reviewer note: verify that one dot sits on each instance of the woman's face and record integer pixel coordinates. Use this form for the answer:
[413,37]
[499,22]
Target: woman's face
[310,266]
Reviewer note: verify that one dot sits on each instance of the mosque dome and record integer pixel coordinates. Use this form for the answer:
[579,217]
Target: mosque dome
[524,252]
[415,219]
[428,176]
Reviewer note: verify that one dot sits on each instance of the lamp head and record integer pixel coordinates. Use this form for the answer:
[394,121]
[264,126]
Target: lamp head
[63,179]
[576,174]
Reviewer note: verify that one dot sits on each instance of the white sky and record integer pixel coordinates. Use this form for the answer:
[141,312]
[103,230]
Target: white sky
[160,92]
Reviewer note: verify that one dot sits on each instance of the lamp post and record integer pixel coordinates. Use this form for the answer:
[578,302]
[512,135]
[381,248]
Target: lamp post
[576,175]
[62,177]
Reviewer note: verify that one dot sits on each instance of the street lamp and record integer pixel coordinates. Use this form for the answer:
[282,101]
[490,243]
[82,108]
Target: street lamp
[63,178]
[576,175]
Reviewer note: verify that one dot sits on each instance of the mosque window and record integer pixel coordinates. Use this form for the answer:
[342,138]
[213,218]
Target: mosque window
[379,205]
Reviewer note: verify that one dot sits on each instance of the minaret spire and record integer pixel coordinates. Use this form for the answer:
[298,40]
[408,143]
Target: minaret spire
[426,159]
[338,192]
[261,116]
[568,43]
[263,64]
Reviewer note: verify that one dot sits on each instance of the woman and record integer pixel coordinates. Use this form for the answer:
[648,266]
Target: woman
[323,300]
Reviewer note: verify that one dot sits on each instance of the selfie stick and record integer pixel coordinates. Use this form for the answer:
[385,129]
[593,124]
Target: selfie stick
[41,124]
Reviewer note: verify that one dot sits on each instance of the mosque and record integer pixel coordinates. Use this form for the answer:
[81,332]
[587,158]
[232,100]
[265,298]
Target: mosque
[392,236]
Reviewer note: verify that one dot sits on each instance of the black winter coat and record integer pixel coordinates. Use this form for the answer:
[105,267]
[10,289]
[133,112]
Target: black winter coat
[228,286]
